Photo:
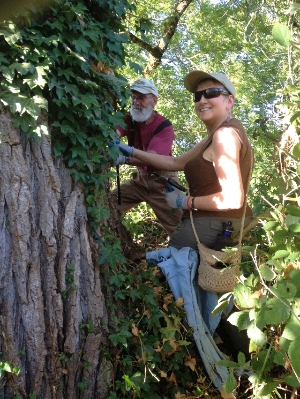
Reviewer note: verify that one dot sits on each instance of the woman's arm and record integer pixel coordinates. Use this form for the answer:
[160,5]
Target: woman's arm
[164,162]
[224,152]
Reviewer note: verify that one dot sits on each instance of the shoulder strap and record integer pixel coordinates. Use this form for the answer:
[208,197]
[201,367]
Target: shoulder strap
[160,127]
[132,132]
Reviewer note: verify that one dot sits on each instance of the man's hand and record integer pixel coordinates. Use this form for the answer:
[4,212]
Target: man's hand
[176,199]
[125,149]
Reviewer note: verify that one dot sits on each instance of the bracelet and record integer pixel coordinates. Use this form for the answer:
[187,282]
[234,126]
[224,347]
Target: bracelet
[188,202]
[192,203]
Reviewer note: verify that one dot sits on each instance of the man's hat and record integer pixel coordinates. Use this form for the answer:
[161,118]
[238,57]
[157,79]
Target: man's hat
[193,78]
[144,86]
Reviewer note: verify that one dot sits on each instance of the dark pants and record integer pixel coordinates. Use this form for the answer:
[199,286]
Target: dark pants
[207,229]
[142,187]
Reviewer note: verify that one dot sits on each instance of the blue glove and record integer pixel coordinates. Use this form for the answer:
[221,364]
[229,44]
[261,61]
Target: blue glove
[121,160]
[176,199]
[125,149]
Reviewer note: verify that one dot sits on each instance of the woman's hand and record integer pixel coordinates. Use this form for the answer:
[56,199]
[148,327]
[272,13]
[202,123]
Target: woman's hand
[125,149]
[176,200]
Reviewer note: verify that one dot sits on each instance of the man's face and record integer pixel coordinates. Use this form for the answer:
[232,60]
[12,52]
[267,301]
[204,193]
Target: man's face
[142,106]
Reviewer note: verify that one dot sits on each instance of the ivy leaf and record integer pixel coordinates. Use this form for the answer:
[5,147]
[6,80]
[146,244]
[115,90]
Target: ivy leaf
[81,44]
[24,122]
[111,255]
[121,337]
[37,78]
[79,151]
[281,34]
[7,367]
[11,37]
[170,330]
[22,67]
[294,355]
[136,67]
[21,104]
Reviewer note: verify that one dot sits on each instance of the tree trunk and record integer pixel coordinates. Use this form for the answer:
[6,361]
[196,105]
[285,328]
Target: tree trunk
[53,317]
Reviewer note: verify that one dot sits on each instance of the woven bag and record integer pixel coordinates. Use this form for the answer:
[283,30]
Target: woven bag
[214,279]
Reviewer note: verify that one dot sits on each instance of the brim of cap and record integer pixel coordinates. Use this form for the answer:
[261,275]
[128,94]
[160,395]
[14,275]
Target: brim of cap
[140,90]
[193,78]
[145,91]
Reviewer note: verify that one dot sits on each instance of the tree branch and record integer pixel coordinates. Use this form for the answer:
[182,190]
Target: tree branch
[169,28]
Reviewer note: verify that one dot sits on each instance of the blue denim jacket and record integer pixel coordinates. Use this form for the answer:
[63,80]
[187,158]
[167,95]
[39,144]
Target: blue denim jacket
[180,269]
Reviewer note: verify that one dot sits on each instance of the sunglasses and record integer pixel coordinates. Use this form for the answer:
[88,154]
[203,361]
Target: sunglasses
[212,92]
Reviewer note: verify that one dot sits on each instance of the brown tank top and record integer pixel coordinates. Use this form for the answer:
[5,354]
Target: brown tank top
[202,178]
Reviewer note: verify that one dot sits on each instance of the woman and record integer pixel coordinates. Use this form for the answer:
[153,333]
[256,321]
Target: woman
[217,168]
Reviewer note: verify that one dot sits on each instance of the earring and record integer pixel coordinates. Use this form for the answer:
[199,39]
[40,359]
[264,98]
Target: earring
[228,117]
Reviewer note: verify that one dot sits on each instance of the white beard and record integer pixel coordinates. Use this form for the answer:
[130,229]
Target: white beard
[140,114]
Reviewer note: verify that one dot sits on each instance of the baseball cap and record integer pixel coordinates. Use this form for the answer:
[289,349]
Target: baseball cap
[193,78]
[144,86]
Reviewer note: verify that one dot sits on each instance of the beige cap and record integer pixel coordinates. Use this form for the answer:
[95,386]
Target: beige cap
[193,78]
[144,86]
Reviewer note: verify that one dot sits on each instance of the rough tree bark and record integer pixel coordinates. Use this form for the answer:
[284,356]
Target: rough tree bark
[45,244]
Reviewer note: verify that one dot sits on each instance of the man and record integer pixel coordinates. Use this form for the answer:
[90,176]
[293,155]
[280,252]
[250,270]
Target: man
[148,131]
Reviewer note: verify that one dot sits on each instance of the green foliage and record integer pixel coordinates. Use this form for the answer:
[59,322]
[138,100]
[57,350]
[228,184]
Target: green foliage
[153,347]
[82,385]
[62,76]
[6,367]
[269,298]
[89,325]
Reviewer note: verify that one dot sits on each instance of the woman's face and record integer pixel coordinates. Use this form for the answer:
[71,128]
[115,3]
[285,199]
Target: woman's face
[209,110]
